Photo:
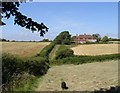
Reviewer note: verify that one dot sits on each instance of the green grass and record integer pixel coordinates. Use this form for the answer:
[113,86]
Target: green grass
[30,85]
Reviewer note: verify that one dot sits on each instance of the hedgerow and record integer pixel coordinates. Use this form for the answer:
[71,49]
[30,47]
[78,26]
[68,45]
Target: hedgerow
[12,67]
[63,52]
[45,51]
[84,59]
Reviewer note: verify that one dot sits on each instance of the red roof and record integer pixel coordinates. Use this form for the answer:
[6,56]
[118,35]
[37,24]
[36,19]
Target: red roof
[79,40]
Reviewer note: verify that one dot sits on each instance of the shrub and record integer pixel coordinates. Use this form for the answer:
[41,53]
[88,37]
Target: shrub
[45,51]
[63,52]
[87,41]
[13,66]
[84,59]
[13,41]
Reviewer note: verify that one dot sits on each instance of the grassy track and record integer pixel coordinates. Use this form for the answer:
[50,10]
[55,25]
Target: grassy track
[52,53]
[23,49]
[81,77]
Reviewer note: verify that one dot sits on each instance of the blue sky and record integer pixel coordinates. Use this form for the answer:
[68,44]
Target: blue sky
[75,17]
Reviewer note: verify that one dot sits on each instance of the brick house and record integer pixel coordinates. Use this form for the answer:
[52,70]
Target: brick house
[82,39]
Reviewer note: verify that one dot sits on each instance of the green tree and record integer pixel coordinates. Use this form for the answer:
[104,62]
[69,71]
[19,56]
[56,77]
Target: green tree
[87,42]
[73,37]
[97,37]
[11,9]
[63,38]
[105,39]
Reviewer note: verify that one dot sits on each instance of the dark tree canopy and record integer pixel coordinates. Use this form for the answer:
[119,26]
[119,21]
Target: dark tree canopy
[11,9]
[63,38]
[97,36]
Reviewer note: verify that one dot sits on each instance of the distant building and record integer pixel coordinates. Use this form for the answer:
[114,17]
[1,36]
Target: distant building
[82,39]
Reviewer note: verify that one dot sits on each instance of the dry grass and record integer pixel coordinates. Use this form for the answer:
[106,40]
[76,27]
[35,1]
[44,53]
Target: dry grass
[81,77]
[95,49]
[23,49]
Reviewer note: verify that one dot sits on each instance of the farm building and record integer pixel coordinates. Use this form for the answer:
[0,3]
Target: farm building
[83,38]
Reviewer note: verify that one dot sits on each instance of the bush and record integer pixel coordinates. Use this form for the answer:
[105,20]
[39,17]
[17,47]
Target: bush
[13,41]
[84,59]
[87,41]
[13,66]
[63,52]
[45,51]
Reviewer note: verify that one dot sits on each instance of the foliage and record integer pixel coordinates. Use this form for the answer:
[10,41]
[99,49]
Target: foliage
[63,52]
[87,41]
[13,41]
[21,19]
[114,39]
[105,39]
[84,59]
[63,38]
[4,40]
[97,36]
[45,40]
[74,37]
[13,69]
[46,50]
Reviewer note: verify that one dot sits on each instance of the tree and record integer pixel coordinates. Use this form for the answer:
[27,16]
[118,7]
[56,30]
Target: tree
[63,38]
[11,9]
[105,39]
[87,42]
[73,37]
[97,37]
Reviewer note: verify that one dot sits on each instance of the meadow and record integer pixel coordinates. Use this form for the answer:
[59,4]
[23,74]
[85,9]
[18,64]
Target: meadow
[96,49]
[23,49]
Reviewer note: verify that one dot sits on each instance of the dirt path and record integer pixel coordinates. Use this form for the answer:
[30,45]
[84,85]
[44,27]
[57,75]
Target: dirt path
[52,53]
[81,77]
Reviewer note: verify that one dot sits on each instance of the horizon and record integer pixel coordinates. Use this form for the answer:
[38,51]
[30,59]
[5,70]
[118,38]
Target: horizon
[75,17]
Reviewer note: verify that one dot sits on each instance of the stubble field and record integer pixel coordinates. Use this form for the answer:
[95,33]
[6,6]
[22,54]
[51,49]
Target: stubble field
[85,77]
[96,49]
[23,49]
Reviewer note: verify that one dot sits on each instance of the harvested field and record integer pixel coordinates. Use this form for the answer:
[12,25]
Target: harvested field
[81,77]
[95,49]
[23,49]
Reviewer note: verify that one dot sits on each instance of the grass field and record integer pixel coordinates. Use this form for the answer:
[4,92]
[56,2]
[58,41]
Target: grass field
[95,49]
[81,77]
[23,49]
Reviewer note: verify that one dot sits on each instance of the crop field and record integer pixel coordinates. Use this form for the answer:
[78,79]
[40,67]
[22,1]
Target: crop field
[81,77]
[23,49]
[96,49]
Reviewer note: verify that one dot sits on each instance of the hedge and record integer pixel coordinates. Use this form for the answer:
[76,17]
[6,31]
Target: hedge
[13,66]
[45,51]
[84,59]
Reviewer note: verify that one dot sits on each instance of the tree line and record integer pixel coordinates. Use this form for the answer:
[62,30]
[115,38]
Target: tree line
[44,40]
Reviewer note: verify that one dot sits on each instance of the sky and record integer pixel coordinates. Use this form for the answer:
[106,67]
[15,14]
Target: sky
[75,17]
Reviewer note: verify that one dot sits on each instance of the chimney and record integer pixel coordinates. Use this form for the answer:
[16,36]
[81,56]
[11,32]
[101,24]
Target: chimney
[76,35]
[84,33]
